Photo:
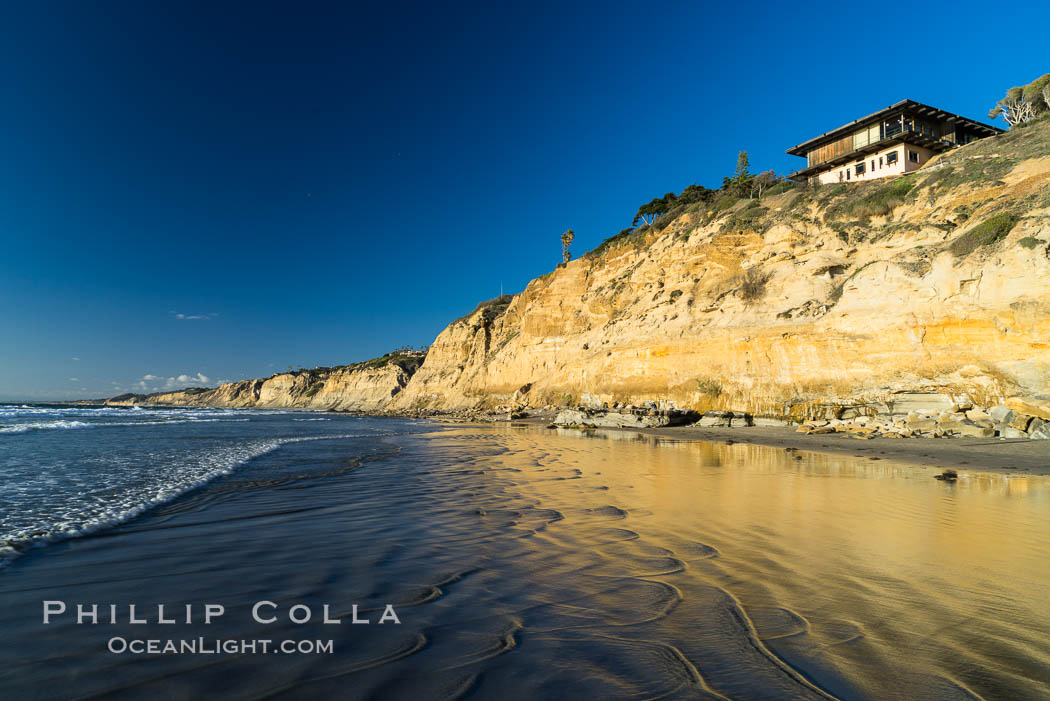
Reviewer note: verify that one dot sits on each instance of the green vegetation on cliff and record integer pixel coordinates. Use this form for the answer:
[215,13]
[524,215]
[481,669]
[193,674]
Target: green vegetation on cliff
[857,212]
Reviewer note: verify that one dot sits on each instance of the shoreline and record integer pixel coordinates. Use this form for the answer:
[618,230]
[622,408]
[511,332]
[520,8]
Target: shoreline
[1018,456]
[1011,456]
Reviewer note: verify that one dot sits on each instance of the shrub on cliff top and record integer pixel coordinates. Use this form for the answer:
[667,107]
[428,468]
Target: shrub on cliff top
[879,200]
[780,188]
[988,232]
[490,309]
[627,236]
[747,219]
[974,170]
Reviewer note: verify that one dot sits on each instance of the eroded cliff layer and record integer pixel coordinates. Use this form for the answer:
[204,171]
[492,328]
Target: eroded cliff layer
[934,282]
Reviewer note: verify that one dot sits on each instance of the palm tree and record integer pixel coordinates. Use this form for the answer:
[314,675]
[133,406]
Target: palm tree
[566,241]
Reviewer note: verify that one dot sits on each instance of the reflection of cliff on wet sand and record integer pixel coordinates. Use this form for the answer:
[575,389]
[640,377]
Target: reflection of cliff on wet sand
[758,456]
[867,576]
[962,454]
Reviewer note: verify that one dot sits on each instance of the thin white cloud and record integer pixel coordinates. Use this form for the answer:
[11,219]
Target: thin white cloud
[186,381]
[155,383]
[193,317]
[74,379]
[74,358]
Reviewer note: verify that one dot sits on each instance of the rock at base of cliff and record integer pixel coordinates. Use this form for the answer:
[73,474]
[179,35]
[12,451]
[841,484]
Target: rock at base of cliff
[725,419]
[974,431]
[1007,431]
[1041,432]
[1033,407]
[1001,414]
[598,418]
[767,421]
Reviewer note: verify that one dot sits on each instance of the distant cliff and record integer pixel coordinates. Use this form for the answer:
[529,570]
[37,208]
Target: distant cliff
[367,386]
[842,294]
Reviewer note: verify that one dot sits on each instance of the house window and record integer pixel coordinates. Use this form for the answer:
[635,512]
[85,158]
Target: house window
[841,175]
[891,158]
[860,168]
[873,164]
[913,156]
[847,174]
[880,162]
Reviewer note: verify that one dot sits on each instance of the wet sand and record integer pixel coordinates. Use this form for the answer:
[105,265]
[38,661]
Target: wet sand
[985,454]
[530,563]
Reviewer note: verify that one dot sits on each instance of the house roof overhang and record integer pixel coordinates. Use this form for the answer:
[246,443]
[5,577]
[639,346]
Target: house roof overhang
[915,108]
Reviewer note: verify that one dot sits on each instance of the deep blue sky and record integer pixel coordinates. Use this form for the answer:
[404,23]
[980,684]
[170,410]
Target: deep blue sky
[324,182]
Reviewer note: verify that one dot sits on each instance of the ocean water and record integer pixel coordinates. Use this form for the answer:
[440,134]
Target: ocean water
[522,563]
[69,471]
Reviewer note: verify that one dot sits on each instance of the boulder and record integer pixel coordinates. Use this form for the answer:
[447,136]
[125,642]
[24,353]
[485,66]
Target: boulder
[600,418]
[725,419]
[1001,414]
[918,424]
[1007,431]
[765,421]
[1032,407]
[907,402]
[977,415]
[1020,421]
[809,428]
[1041,433]
[975,431]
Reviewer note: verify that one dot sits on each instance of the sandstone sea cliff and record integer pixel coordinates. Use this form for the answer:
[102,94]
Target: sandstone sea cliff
[365,387]
[935,283]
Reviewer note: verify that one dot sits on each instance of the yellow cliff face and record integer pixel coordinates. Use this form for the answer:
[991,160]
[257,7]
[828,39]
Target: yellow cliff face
[854,307]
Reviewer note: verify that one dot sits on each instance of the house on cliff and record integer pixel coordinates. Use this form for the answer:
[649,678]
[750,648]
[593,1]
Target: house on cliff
[892,141]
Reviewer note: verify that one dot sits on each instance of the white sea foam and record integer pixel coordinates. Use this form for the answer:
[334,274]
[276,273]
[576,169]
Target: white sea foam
[136,501]
[86,516]
[45,425]
[24,419]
